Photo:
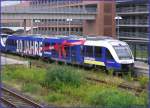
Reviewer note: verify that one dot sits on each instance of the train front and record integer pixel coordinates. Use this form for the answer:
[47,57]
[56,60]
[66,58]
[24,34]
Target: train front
[123,56]
[3,38]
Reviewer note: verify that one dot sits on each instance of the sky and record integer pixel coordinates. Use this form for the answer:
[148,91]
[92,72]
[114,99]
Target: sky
[6,3]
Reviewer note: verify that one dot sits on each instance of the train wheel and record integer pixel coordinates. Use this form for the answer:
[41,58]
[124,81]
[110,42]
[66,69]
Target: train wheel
[88,66]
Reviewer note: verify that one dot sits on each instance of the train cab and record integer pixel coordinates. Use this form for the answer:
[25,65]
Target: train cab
[3,38]
[110,53]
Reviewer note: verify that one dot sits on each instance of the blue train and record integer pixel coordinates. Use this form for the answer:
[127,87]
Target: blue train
[89,50]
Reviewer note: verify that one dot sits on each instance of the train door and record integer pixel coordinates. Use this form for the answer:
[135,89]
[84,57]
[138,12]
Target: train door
[46,52]
[73,54]
[80,56]
[98,55]
[88,51]
[88,56]
[66,53]
[109,60]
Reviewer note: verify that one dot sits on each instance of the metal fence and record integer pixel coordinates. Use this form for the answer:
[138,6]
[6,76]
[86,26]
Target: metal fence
[133,34]
[139,49]
[137,8]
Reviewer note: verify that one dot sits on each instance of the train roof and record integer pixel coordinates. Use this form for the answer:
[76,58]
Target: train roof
[105,42]
[25,36]
[89,40]
[70,37]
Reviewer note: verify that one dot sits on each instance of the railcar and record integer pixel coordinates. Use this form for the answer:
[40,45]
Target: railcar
[89,51]
[110,53]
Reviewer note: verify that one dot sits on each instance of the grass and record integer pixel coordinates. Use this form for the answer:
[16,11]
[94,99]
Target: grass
[30,87]
[142,54]
[66,86]
[143,81]
[24,74]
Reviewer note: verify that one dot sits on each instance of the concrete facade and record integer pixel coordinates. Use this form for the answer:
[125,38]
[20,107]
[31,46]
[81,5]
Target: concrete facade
[134,23]
[102,24]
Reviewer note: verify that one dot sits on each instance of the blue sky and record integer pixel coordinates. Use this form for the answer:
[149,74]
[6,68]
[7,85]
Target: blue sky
[6,3]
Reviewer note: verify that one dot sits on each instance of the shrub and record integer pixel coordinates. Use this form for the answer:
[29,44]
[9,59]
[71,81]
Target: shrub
[58,75]
[113,98]
[143,81]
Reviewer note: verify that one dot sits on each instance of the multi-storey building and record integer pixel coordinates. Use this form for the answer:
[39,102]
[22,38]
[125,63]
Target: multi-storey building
[134,18]
[103,24]
[10,25]
[132,25]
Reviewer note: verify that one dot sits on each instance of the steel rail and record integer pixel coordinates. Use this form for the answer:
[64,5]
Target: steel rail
[8,103]
[32,103]
[122,85]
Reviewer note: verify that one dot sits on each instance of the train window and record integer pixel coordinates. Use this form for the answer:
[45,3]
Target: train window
[108,55]
[98,52]
[67,51]
[11,42]
[82,50]
[23,45]
[15,43]
[7,42]
[73,51]
[89,51]
[123,52]
[47,44]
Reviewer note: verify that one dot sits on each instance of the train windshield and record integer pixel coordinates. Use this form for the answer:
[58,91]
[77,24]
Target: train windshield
[123,52]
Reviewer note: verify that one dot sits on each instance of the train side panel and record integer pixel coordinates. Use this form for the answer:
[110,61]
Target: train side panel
[93,55]
[110,62]
[24,45]
[62,50]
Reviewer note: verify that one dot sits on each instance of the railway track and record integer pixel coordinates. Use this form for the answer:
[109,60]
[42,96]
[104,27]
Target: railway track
[122,85]
[141,71]
[12,99]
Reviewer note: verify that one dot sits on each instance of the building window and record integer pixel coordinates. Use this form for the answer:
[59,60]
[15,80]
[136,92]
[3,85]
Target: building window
[46,29]
[76,29]
[71,29]
[59,29]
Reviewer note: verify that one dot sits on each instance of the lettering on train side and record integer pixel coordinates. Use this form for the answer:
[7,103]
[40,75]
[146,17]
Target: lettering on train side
[29,47]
